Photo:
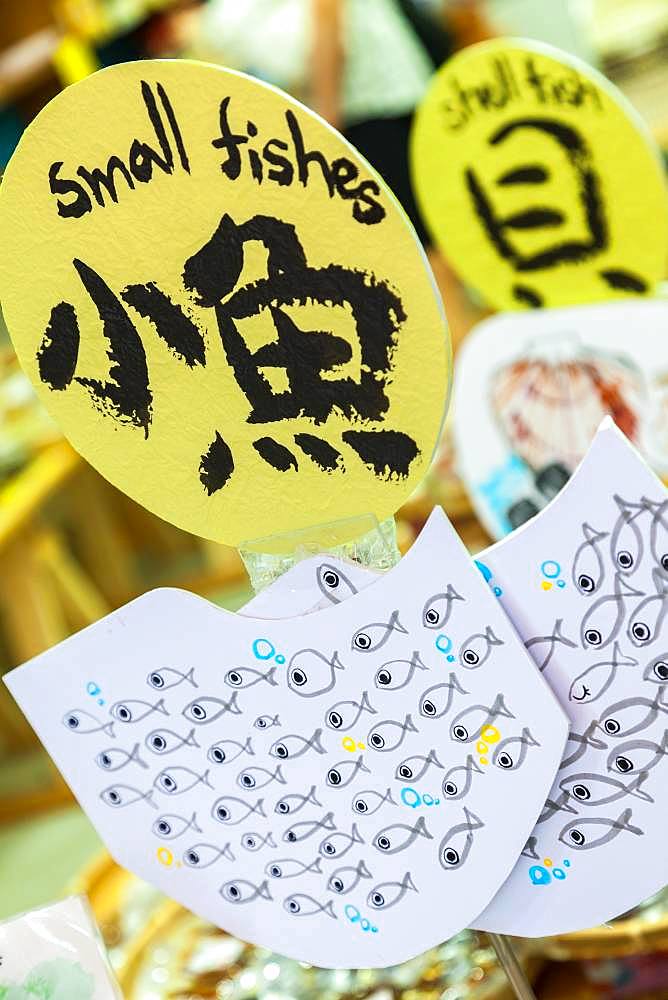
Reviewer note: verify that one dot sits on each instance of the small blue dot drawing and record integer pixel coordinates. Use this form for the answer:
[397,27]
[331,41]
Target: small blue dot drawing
[94,691]
[263,649]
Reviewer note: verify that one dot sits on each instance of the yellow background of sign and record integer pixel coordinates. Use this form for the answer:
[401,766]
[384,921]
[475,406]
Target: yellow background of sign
[147,236]
[452,134]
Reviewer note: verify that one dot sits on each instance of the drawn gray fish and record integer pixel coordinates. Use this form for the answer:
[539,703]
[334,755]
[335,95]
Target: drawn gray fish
[80,721]
[595,680]
[415,767]
[582,742]
[226,751]
[598,790]
[120,796]
[167,677]
[337,845]
[205,855]
[202,711]
[345,771]
[246,677]
[626,542]
[306,828]
[602,622]
[456,844]
[116,758]
[291,868]
[388,735]
[170,826]
[345,714]
[266,722]
[646,621]
[259,777]
[369,802]
[301,905]
[529,850]
[469,724]
[292,804]
[178,780]
[134,710]
[638,756]
[477,649]
[511,752]
[437,700]
[543,647]
[345,879]
[553,806]
[311,674]
[656,670]
[255,841]
[588,569]
[240,890]
[293,746]
[333,583]
[230,810]
[457,781]
[585,834]
[387,894]
[632,715]
[373,636]
[399,836]
[396,674]
[658,536]
[438,609]
[164,741]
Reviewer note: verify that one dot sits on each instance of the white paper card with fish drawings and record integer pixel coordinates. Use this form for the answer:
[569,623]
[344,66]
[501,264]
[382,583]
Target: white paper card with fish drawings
[335,787]
[311,584]
[586,585]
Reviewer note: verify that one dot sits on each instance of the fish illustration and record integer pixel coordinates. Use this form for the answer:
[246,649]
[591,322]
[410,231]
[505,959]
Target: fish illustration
[345,771]
[346,878]
[373,636]
[205,855]
[240,890]
[399,836]
[255,841]
[458,779]
[246,677]
[553,806]
[293,746]
[345,714]
[456,844]
[584,834]
[369,802]
[605,617]
[631,715]
[529,849]
[301,905]
[167,677]
[588,570]
[598,790]
[582,742]
[232,811]
[438,609]
[542,656]
[658,536]
[292,804]
[476,650]
[337,845]
[163,741]
[469,724]
[205,710]
[171,826]
[311,674]
[646,621]
[333,583]
[291,868]
[437,700]
[120,796]
[387,894]
[595,680]
[306,828]
[415,767]
[656,670]
[80,721]
[511,752]
[117,758]
[388,735]
[226,751]
[136,710]
[259,777]
[397,674]
[266,722]
[637,756]
[178,780]
[626,541]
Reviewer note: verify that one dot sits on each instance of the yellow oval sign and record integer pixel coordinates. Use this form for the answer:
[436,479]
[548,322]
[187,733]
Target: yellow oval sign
[220,303]
[538,179]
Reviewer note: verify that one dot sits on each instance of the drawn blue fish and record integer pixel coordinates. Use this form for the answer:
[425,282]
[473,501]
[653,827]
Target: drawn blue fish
[240,890]
[585,834]
[369,802]
[334,583]
[170,826]
[345,714]
[293,746]
[119,796]
[246,677]
[646,621]
[397,674]
[477,649]
[116,758]
[543,647]
[205,855]
[178,780]
[226,751]
[135,710]
[164,741]
[415,767]
[337,845]
[311,674]
[638,756]
[373,636]
[511,752]
[205,710]
[437,700]
[301,905]
[602,622]
[80,721]
[266,722]
[255,841]
[457,781]
[167,677]
[598,790]
[456,844]
[292,804]
[595,680]
[259,777]
[399,836]
[344,771]
[438,608]
[632,715]
[469,724]
[232,811]
[588,570]
[291,868]
[387,894]
[388,735]
[343,880]
[307,828]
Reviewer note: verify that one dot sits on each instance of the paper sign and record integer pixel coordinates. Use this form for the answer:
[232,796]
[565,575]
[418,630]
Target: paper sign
[531,391]
[333,787]
[223,307]
[536,177]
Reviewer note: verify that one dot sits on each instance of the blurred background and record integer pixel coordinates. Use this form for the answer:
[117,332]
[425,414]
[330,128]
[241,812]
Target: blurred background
[72,548]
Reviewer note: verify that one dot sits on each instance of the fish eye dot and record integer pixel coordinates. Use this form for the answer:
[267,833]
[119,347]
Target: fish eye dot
[405,771]
[428,708]
[275,871]
[298,677]
[192,857]
[577,837]
[261,723]
[283,807]
[168,782]
[450,788]
[281,751]
[661,670]
[640,631]
[361,806]
[581,792]
[470,656]
[333,777]
[156,681]
[218,755]
[222,812]
[329,848]
[593,637]
[377,740]
[460,733]
[198,712]
[664,561]
[362,640]
[249,842]
[611,726]
[337,885]
[72,721]
[585,583]
[331,578]
[234,677]
[114,797]
[335,720]
[248,781]
[293,906]
[624,559]
[158,743]
[451,856]
[124,713]
[432,616]
[623,764]
[384,843]
[164,827]
[505,760]
[384,677]
[233,891]
[378,899]
[291,836]
[106,760]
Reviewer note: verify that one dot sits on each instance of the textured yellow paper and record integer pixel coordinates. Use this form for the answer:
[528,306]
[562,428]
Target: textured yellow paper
[538,179]
[278,354]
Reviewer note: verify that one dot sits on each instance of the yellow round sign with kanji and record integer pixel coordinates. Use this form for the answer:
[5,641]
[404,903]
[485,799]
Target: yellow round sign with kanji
[538,179]
[220,302]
